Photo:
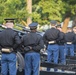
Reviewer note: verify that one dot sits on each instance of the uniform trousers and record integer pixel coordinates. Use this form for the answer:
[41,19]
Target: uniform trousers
[32,63]
[69,48]
[62,54]
[8,63]
[53,54]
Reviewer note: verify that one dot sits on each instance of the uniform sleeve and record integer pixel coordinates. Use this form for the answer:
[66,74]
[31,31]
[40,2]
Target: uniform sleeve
[17,41]
[59,36]
[74,39]
[39,46]
[22,40]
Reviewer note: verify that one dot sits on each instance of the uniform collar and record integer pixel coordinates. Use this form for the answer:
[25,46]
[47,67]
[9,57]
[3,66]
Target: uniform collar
[8,28]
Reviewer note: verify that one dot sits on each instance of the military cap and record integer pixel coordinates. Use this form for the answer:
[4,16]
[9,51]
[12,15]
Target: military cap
[53,22]
[59,25]
[9,20]
[34,24]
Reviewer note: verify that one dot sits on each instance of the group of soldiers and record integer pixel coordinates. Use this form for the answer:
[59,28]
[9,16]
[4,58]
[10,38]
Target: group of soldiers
[58,45]
[31,43]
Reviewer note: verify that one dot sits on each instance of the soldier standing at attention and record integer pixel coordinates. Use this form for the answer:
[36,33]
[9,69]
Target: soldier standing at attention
[61,45]
[9,41]
[51,37]
[69,42]
[74,30]
[32,43]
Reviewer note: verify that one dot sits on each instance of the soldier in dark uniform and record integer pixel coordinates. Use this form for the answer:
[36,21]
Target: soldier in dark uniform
[61,45]
[59,27]
[51,37]
[74,30]
[9,41]
[69,42]
[32,43]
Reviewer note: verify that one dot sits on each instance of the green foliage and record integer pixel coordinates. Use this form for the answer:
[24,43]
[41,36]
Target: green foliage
[70,8]
[49,10]
[13,9]
[54,10]
[43,10]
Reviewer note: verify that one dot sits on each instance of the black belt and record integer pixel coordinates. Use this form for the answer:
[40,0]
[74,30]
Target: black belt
[60,43]
[6,52]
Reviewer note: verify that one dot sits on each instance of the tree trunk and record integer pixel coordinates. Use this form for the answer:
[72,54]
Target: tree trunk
[65,24]
[29,9]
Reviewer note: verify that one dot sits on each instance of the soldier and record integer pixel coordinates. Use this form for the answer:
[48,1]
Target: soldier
[74,30]
[32,43]
[51,37]
[59,27]
[69,42]
[9,41]
[61,45]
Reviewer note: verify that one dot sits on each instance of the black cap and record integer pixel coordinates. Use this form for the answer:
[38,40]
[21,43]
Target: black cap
[33,25]
[58,26]
[9,20]
[53,22]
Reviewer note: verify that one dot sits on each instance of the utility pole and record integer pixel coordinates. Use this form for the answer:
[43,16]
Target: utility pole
[29,9]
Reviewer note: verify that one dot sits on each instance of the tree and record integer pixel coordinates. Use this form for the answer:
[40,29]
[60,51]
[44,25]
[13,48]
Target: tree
[70,12]
[13,9]
[47,10]
[42,10]
[29,9]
